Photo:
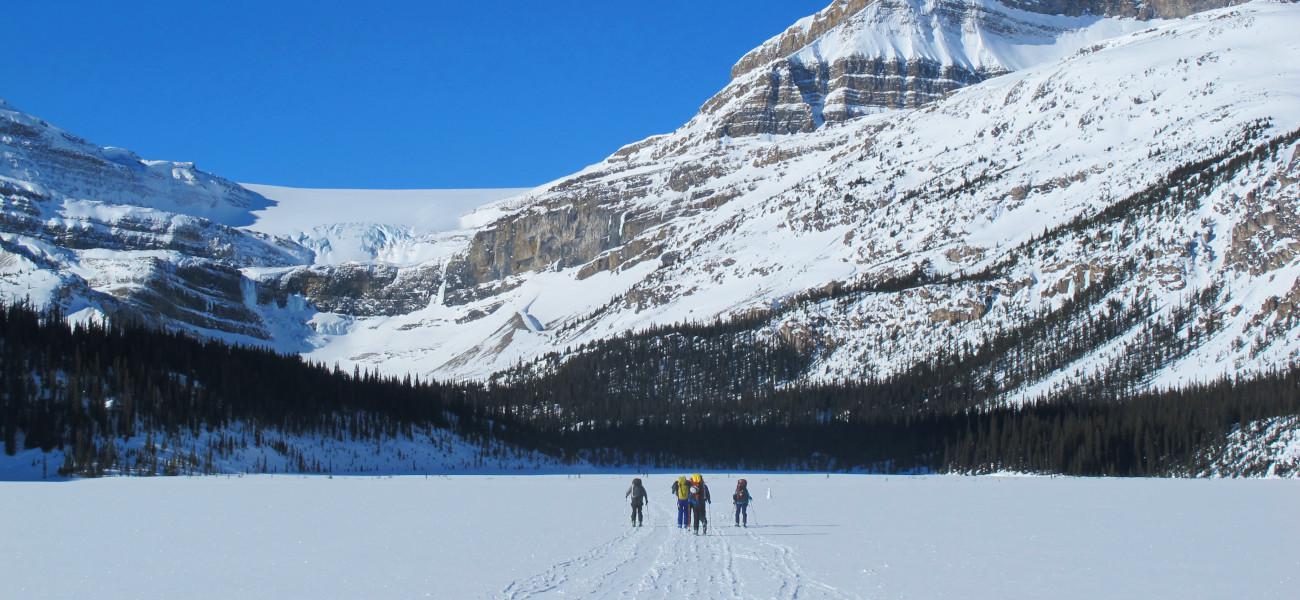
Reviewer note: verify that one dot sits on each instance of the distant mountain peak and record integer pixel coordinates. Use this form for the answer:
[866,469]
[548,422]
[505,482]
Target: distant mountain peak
[858,57]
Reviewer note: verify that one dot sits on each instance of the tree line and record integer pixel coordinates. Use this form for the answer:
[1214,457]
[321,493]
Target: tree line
[76,387]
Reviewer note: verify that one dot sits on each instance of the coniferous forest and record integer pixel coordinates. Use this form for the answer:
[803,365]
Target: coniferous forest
[645,399]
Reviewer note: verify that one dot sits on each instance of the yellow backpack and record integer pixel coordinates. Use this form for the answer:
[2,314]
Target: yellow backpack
[682,489]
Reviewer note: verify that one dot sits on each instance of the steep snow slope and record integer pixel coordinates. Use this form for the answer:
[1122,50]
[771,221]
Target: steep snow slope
[44,160]
[1267,448]
[98,231]
[682,228]
[841,537]
[856,58]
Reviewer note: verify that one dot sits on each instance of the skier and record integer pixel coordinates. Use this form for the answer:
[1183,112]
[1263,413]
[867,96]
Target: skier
[639,497]
[683,492]
[741,499]
[699,498]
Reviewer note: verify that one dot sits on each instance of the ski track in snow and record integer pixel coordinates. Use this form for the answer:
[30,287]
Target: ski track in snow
[489,536]
[660,561]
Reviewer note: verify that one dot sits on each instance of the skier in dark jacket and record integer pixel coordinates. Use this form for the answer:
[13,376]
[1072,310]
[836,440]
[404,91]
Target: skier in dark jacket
[741,499]
[699,498]
[639,497]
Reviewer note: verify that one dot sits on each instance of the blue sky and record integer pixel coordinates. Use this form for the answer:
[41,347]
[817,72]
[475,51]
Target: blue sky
[412,94]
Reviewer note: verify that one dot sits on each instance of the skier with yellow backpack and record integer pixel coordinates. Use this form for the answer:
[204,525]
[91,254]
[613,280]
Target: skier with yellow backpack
[682,491]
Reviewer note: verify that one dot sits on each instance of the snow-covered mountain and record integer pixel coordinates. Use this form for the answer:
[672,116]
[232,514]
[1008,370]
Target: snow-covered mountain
[1016,154]
[687,227]
[100,231]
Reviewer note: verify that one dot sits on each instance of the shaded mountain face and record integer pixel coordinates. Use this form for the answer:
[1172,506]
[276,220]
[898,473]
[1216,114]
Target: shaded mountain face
[1020,162]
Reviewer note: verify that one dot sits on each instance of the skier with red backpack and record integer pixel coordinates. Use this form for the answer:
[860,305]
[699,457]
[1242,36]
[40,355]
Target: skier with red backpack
[639,497]
[741,499]
[699,497]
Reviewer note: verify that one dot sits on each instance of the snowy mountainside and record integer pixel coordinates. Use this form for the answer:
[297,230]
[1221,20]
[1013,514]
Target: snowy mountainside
[856,58]
[1087,148]
[43,160]
[98,231]
[1266,448]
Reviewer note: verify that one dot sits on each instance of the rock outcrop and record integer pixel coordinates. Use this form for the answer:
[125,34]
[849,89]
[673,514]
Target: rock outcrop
[1138,9]
[861,56]
[99,229]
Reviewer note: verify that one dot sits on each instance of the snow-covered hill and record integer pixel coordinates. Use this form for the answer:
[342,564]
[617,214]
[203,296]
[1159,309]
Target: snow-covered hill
[1020,159]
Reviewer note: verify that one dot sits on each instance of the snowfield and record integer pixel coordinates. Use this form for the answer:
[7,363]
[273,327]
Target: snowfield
[400,227]
[423,210]
[564,536]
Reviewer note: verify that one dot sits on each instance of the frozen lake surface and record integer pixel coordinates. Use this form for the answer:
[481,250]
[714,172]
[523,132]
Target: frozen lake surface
[558,536]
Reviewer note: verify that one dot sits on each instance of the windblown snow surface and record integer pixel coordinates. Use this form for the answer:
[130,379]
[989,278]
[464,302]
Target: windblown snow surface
[558,536]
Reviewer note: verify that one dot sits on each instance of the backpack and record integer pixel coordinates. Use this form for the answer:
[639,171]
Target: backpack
[742,492]
[682,489]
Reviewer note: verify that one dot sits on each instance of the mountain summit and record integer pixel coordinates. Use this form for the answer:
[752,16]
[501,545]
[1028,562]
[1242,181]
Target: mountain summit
[856,58]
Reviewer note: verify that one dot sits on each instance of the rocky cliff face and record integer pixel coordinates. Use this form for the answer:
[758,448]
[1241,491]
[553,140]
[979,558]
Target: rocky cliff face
[100,231]
[859,56]
[851,59]
[841,12]
[1139,9]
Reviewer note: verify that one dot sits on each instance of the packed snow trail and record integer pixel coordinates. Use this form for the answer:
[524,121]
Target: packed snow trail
[564,536]
[659,560]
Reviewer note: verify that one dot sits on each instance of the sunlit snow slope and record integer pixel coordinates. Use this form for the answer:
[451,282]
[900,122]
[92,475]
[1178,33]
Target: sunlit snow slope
[1160,161]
